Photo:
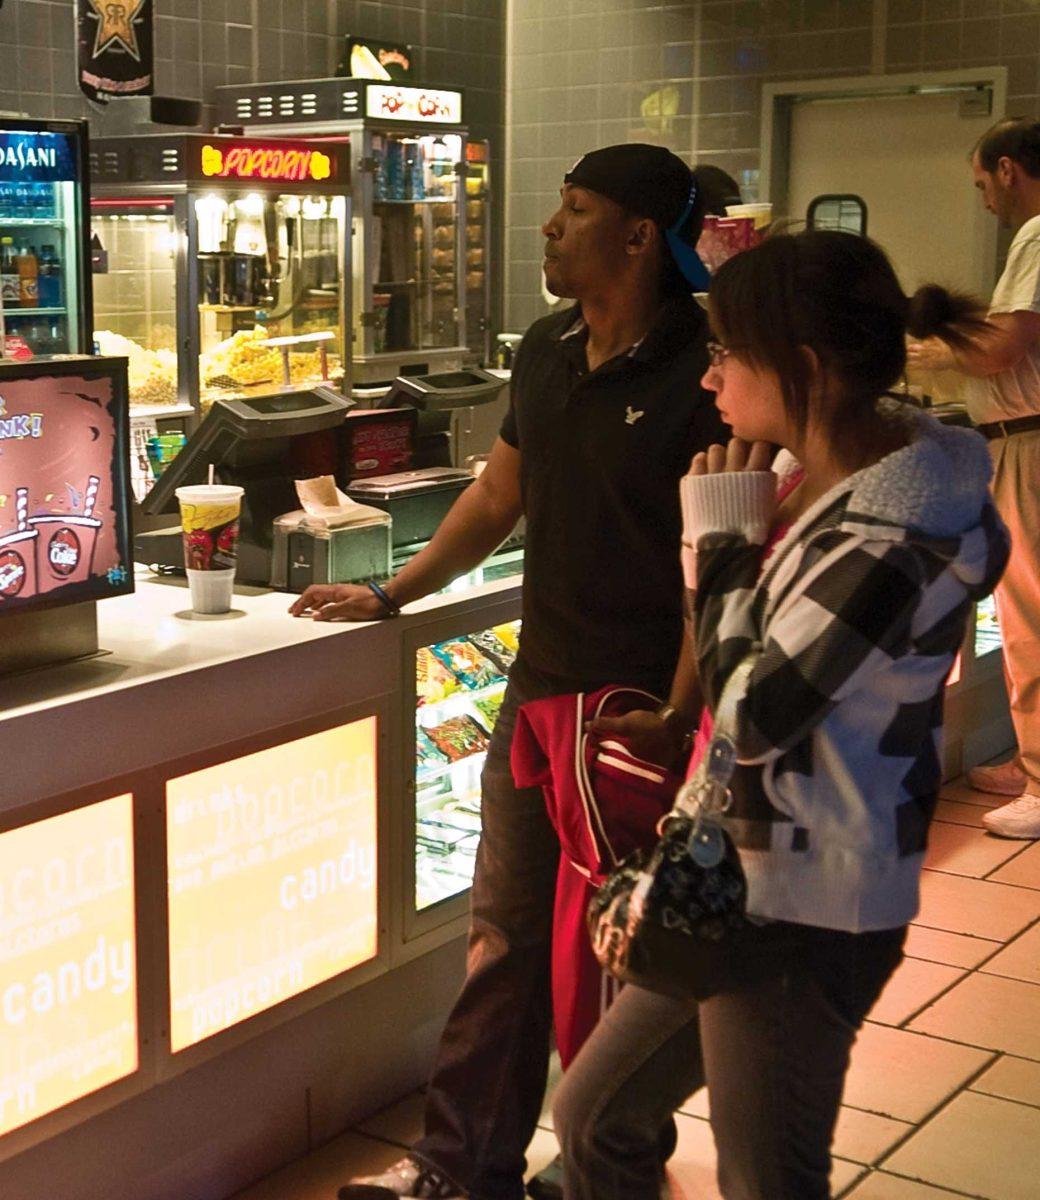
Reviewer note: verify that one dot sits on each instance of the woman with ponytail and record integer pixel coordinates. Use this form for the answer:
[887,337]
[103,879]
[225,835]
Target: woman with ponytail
[847,571]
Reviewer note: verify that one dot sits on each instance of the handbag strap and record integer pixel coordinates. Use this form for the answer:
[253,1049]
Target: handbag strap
[706,792]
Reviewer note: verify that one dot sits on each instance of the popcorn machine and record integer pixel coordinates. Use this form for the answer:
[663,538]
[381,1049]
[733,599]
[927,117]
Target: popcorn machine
[220,266]
[420,204]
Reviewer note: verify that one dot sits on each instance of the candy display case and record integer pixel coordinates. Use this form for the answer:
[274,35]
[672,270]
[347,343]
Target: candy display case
[987,628]
[460,683]
[220,266]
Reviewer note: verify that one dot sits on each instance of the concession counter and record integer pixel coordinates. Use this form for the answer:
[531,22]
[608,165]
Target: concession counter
[234,861]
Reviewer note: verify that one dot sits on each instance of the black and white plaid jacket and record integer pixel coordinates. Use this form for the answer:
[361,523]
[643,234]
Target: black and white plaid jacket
[855,621]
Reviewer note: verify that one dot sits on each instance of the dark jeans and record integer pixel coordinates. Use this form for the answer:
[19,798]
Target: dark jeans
[773,1053]
[488,1082]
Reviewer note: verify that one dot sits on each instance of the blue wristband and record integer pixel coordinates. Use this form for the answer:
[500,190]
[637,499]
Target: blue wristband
[392,609]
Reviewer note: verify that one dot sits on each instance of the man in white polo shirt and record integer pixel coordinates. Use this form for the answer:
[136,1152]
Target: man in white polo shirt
[1006,356]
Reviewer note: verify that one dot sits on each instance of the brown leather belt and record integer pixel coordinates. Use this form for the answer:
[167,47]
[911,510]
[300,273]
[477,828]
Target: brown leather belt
[1003,429]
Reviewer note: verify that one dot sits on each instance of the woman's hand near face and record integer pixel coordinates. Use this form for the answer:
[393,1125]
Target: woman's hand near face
[738,455]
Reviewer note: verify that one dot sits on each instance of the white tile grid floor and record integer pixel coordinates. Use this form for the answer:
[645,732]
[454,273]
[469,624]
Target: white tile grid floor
[943,1096]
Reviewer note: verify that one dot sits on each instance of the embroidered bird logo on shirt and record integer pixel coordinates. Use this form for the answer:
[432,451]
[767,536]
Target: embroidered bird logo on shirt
[632,415]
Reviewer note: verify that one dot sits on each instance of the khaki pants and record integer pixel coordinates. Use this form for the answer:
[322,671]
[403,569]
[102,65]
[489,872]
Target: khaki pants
[1016,491]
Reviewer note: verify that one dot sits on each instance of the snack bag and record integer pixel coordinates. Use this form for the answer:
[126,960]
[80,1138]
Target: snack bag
[489,707]
[492,647]
[468,665]
[509,635]
[433,680]
[427,756]
[458,738]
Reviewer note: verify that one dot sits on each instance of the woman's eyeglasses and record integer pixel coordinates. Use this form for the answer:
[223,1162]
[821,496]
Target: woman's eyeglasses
[718,353]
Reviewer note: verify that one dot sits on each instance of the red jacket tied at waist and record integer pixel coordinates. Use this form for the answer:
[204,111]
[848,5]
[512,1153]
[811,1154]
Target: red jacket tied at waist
[604,803]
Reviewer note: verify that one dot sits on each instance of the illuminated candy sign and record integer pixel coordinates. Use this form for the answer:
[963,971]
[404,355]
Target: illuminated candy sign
[287,164]
[272,877]
[68,974]
[423,105]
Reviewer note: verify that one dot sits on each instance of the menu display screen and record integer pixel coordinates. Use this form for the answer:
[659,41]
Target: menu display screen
[68,981]
[272,877]
[64,519]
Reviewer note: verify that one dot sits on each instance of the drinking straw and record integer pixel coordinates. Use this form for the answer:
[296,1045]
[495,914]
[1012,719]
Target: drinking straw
[93,482]
[22,503]
[211,470]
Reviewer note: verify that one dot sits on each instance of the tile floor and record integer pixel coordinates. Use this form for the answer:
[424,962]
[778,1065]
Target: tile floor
[943,1097]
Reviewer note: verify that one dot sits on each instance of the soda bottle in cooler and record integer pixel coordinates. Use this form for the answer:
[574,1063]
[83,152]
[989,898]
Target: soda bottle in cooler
[49,283]
[9,282]
[28,278]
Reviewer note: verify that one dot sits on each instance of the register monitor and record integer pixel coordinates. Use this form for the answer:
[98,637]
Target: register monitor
[263,444]
[438,398]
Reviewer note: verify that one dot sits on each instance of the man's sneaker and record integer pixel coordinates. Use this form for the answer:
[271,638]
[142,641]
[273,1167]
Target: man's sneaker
[1019,819]
[408,1178]
[1005,779]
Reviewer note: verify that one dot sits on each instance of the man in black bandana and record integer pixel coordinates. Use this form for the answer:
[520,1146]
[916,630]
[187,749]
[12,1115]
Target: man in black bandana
[606,413]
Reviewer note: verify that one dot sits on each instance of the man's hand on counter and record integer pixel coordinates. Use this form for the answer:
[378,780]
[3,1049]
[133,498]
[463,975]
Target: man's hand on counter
[339,602]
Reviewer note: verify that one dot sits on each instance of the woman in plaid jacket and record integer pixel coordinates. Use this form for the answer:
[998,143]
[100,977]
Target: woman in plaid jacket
[853,623]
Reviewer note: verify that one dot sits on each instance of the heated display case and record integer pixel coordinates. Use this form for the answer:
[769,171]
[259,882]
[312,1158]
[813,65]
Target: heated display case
[45,294]
[478,250]
[418,215]
[220,266]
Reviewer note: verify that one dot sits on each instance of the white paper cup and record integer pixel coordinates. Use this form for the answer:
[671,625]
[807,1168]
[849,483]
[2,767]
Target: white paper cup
[761,214]
[211,591]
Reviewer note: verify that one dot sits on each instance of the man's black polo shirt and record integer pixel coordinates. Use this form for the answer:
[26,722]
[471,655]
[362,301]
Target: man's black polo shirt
[602,456]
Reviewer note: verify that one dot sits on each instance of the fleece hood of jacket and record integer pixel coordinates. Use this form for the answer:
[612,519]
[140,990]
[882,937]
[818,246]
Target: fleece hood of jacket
[933,491]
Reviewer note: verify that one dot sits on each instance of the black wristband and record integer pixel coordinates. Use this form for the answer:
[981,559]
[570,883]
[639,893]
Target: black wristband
[392,609]
[667,713]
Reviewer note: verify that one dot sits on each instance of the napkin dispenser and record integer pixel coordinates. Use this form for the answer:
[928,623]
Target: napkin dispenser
[332,539]
[304,554]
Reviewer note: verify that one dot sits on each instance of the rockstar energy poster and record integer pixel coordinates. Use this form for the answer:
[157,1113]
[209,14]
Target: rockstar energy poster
[272,877]
[68,977]
[115,48]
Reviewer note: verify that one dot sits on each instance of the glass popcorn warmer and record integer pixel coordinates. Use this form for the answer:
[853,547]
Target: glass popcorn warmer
[220,266]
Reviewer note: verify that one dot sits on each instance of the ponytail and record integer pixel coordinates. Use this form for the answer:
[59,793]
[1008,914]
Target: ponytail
[954,317]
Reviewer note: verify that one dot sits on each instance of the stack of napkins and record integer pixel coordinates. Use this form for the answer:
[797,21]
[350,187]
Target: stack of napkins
[326,507]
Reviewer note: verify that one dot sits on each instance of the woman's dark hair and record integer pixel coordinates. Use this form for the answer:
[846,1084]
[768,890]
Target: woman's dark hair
[717,187]
[837,294]
[1016,138]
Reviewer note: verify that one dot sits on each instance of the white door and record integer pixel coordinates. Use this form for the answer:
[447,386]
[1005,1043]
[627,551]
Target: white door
[908,157]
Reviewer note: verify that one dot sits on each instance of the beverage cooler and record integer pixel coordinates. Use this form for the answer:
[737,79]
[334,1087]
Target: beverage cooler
[220,266]
[420,202]
[45,293]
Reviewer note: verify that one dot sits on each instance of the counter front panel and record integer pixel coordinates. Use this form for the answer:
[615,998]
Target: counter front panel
[68,962]
[271,862]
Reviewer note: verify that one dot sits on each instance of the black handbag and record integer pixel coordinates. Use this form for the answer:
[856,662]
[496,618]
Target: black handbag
[667,919]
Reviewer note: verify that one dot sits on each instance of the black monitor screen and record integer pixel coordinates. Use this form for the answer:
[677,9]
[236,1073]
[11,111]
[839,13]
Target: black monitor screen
[64,499]
[453,379]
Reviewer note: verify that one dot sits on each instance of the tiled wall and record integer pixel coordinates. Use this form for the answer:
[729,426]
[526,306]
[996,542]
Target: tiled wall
[584,73]
[200,44]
